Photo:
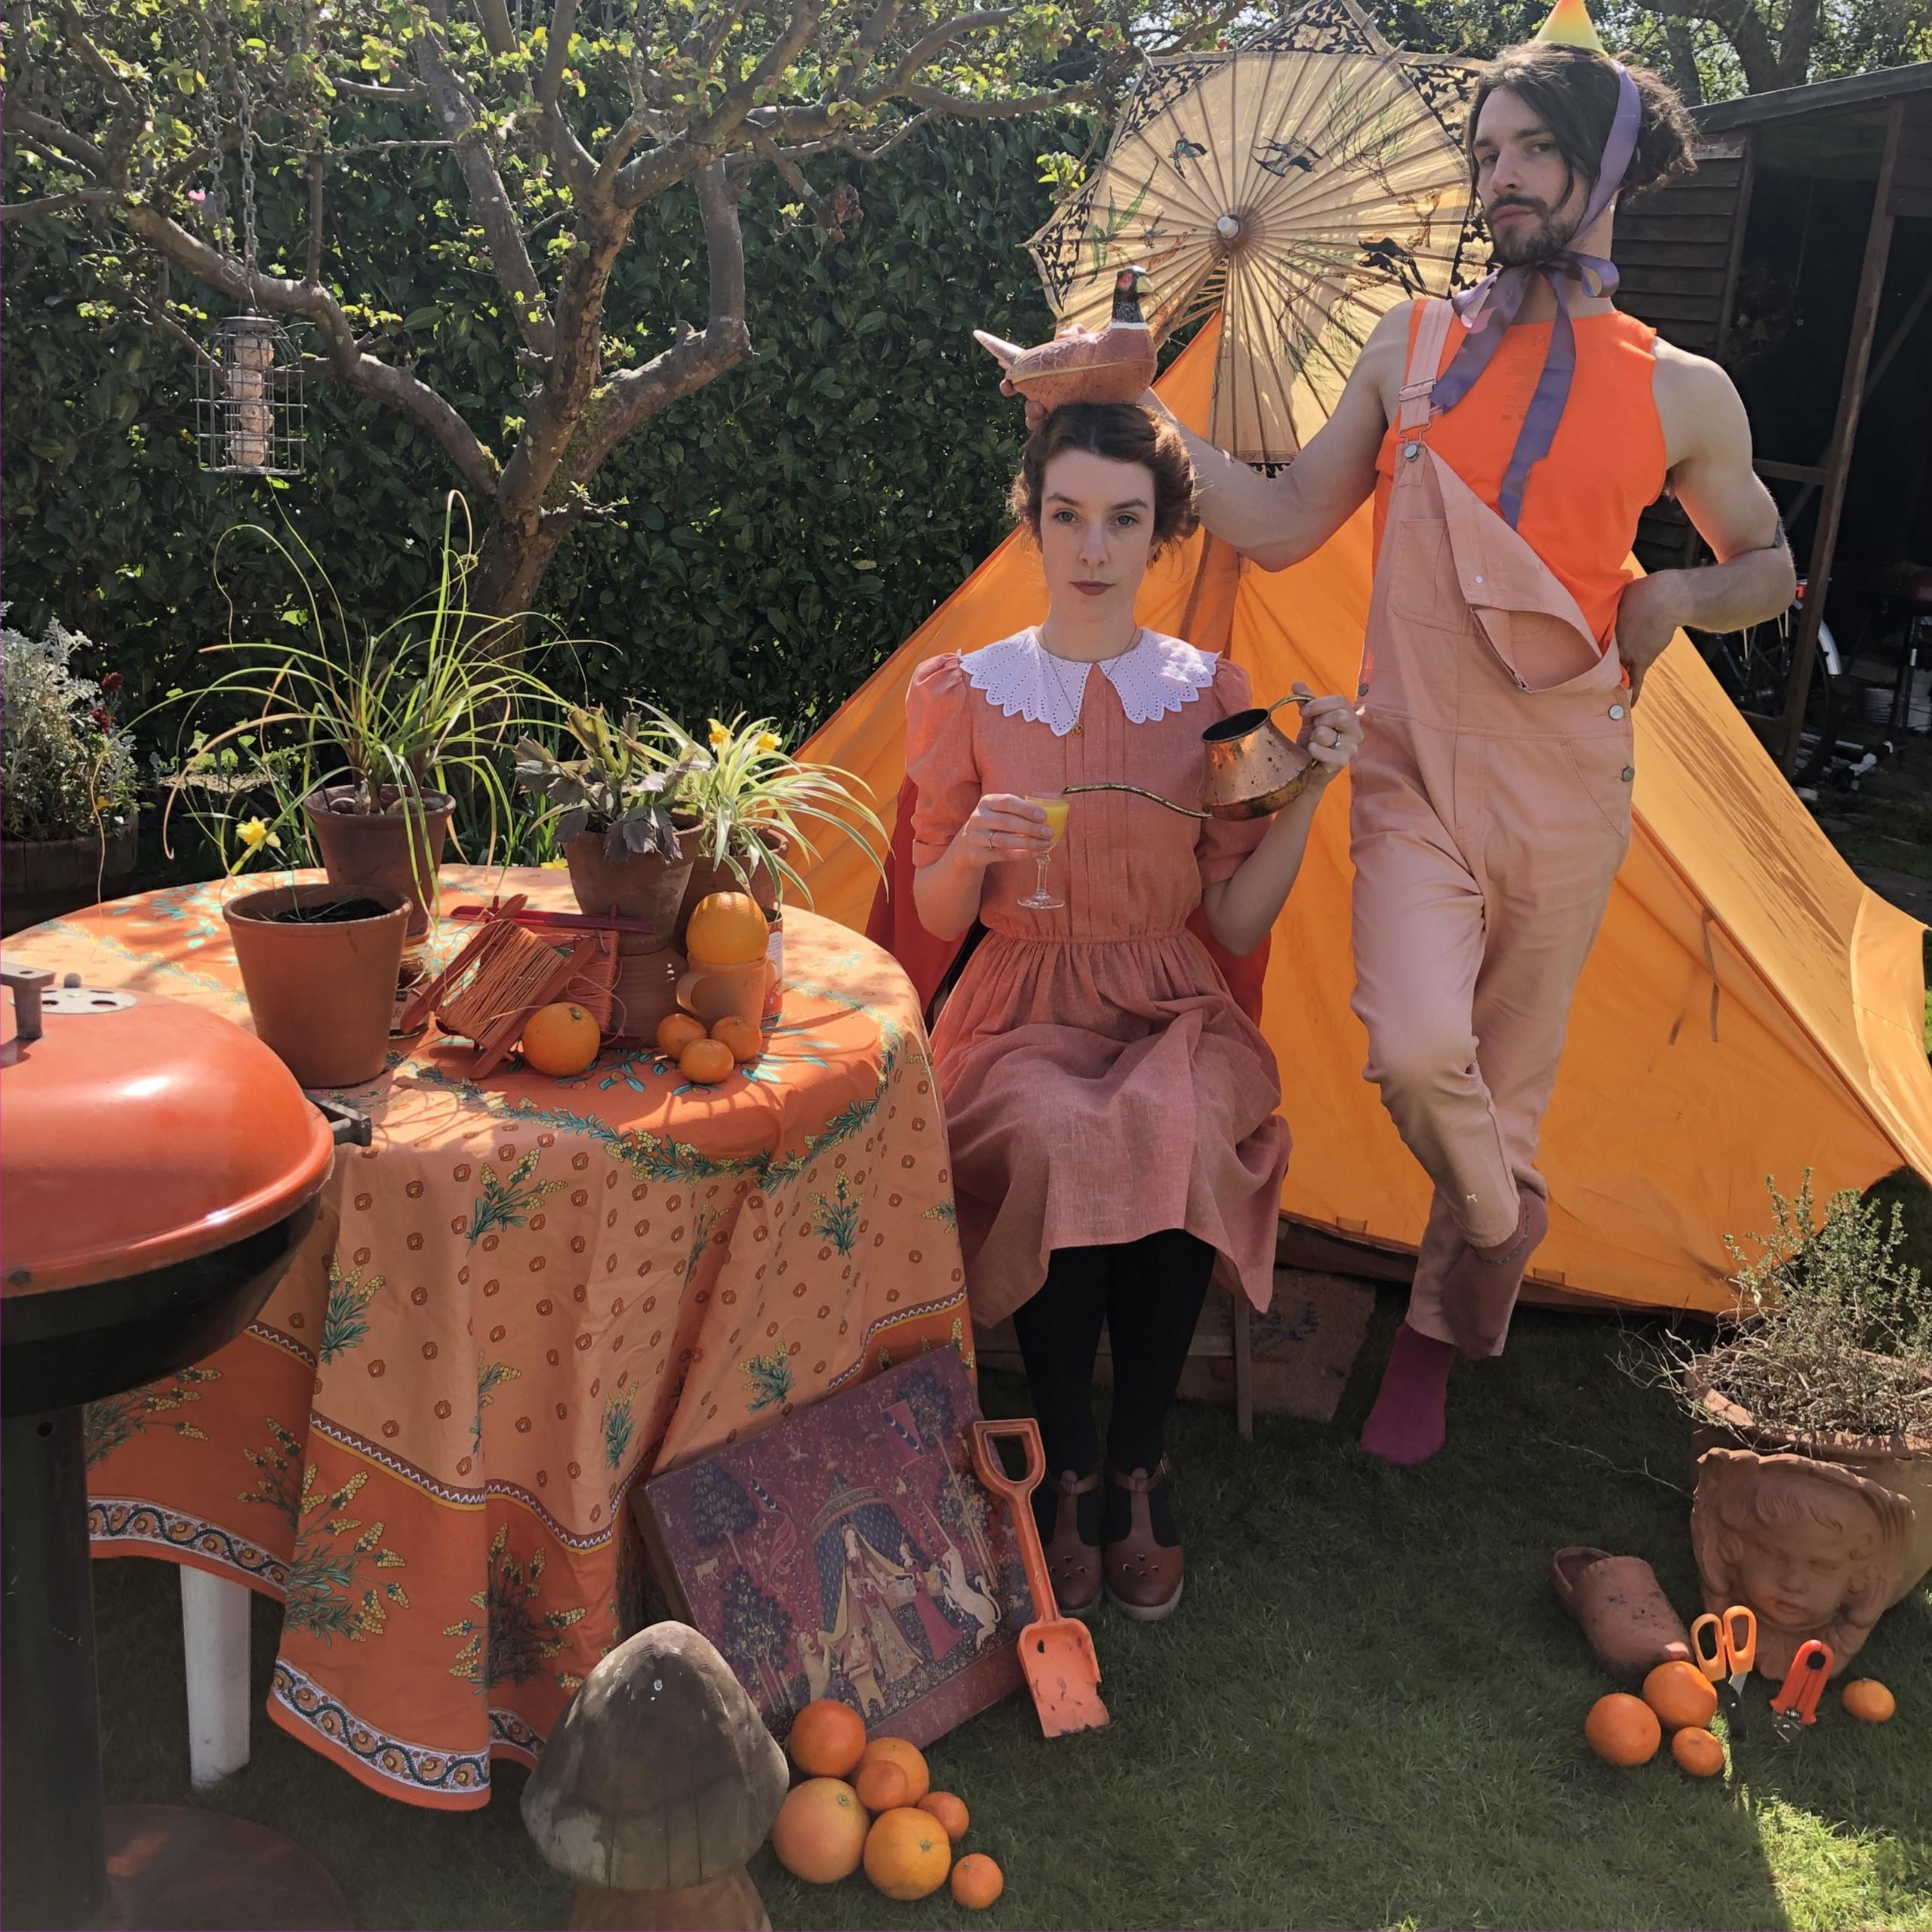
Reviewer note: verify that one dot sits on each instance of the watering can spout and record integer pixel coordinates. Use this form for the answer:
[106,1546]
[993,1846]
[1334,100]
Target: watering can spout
[1254,767]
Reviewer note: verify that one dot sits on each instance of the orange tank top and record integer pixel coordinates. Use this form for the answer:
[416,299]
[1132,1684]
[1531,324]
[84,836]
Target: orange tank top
[1604,468]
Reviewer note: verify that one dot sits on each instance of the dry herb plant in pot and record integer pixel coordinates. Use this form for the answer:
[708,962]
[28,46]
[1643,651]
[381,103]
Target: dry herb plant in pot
[365,741]
[1812,1417]
[69,791]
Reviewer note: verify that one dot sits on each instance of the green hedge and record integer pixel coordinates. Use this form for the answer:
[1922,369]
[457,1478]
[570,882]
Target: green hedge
[782,531]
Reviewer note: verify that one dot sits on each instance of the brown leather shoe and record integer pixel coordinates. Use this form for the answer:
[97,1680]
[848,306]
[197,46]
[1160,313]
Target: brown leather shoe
[1074,1566]
[1144,1577]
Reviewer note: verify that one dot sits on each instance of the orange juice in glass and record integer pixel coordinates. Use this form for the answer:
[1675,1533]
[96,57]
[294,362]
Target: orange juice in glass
[1054,805]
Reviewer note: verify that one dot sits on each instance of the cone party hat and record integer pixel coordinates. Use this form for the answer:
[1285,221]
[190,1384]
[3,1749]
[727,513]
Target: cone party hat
[1569,25]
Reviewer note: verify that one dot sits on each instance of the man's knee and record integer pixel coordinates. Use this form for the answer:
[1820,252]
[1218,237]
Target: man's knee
[1419,1056]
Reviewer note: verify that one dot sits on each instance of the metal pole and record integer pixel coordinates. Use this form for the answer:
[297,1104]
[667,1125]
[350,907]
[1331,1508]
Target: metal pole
[1838,464]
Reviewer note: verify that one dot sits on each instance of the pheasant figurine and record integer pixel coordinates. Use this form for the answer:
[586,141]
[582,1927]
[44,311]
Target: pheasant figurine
[1114,364]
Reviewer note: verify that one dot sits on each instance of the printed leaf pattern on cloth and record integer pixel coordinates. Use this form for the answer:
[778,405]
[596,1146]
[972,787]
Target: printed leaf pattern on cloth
[279,1462]
[343,1323]
[771,1380]
[515,1639]
[838,1218]
[619,1426]
[490,1376]
[329,1595]
[116,1420]
[509,1204]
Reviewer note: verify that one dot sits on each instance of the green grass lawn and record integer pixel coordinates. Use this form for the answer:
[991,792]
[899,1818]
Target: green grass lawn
[1368,1712]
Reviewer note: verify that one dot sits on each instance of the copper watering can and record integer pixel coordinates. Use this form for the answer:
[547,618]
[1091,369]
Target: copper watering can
[1253,767]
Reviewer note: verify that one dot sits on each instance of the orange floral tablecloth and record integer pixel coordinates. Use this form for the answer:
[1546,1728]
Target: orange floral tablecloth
[526,1295]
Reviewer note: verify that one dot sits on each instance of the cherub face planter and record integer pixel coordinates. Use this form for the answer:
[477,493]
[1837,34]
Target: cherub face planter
[1815,1550]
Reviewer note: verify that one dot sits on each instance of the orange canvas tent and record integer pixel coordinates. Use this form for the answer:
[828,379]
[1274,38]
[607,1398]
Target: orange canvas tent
[1750,1009]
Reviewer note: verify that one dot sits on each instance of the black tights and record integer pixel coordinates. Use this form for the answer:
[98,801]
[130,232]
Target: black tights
[1150,1293]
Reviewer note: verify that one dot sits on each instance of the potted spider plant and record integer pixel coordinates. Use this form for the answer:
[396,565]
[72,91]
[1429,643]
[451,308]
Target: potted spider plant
[757,807]
[361,740]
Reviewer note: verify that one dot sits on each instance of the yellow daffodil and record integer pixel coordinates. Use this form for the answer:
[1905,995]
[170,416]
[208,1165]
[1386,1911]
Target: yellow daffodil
[767,741]
[555,866]
[720,736]
[254,833]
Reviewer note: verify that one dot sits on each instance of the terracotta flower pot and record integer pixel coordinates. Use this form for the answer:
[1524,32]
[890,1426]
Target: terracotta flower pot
[320,995]
[375,848]
[41,878]
[641,885]
[1819,1534]
[707,878]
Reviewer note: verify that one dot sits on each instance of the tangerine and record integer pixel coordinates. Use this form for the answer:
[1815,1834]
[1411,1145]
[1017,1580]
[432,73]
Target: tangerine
[726,929]
[950,1811]
[676,1031]
[896,1750]
[976,1881]
[744,1039]
[882,1785]
[1681,1695]
[907,1854]
[1623,1730]
[707,1061]
[1697,1752]
[820,1833]
[1867,1700]
[560,1039]
[827,1739]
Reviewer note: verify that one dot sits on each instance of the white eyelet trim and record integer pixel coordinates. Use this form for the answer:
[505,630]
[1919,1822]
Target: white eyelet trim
[1155,675]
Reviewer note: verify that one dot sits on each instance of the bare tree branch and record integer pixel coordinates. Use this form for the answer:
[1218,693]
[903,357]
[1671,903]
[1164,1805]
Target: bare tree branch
[498,35]
[456,114]
[575,161]
[369,91]
[56,204]
[74,149]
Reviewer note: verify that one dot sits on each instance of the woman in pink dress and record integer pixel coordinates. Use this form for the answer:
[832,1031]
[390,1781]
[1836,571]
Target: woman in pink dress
[1111,1111]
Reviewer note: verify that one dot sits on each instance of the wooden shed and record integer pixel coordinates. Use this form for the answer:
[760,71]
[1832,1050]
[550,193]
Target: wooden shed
[1799,255]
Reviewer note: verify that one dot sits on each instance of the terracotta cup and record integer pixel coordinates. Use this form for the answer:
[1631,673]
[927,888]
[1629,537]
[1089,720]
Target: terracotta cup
[714,993]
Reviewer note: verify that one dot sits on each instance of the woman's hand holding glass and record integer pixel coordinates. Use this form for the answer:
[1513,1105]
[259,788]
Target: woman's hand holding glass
[1004,826]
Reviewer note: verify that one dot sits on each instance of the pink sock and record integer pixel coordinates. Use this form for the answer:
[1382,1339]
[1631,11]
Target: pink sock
[1407,1424]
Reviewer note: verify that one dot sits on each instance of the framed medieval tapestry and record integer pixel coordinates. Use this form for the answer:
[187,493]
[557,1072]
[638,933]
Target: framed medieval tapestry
[850,1552]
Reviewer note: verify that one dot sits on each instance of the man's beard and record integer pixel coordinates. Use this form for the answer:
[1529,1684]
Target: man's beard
[1523,243]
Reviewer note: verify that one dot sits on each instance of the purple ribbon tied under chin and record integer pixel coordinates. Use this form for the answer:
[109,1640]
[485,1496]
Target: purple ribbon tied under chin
[1487,309]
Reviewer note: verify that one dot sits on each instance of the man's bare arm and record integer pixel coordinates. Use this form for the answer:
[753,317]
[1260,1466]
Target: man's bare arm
[1276,521]
[1732,511]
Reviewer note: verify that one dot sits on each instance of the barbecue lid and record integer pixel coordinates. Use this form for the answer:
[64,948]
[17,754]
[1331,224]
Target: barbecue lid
[137,1131]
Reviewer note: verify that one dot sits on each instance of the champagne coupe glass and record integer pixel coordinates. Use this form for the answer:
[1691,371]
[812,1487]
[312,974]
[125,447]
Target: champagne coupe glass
[1054,805]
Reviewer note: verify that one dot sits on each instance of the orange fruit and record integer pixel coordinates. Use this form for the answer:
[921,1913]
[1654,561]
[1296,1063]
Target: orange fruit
[976,1881]
[743,1038]
[896,1751]
[882,1786]
[726,929]
[1623,1730]
[907,1852]
[819,1832]
[1867,1700]
[950,1811]
[827,1739]
[1697,1752]
[560,1039]
[707,1061]
[1681,1695]
[676,1031]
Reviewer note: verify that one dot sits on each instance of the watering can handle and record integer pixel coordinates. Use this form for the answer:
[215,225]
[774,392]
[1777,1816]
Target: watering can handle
[1294,697]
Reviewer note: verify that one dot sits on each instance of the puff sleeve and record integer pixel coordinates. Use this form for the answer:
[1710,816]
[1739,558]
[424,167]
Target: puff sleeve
[940,755]
[1225,843]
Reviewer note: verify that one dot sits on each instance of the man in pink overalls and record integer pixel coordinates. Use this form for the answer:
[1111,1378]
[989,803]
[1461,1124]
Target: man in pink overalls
[1511,445]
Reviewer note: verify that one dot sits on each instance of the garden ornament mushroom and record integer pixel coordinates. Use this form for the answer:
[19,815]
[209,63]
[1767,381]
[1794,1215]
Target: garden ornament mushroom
[659,1781]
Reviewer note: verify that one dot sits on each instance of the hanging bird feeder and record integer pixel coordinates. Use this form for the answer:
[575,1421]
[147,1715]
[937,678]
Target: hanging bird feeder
[248,404]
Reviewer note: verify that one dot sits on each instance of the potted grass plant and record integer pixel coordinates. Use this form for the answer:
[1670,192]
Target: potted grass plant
[1811,1410]
[70,792]
[362,740]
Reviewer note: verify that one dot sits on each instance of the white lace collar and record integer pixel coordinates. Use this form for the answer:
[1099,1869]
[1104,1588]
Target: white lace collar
[1154,675]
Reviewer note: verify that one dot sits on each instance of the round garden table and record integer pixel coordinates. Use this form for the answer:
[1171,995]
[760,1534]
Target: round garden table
[523,1295]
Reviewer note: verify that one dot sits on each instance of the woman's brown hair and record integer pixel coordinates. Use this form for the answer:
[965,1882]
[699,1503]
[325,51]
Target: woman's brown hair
[1122,433]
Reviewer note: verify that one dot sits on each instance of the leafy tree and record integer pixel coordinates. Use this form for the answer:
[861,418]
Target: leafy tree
[555,126]
[721,1511]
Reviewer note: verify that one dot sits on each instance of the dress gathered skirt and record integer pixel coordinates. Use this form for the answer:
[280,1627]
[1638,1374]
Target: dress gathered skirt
[1100,1082]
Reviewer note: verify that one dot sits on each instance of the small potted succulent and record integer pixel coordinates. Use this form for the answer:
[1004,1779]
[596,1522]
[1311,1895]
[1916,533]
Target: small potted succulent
[70,797]
[613,805]
[758,808]
[1812,1415]
[363,741]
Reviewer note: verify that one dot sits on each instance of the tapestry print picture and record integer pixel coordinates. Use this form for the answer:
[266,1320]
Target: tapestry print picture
[851,1553]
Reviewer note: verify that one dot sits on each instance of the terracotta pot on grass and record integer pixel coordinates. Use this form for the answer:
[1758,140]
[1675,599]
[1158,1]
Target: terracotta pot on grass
[320,993]
[374,849]
[1819,1534]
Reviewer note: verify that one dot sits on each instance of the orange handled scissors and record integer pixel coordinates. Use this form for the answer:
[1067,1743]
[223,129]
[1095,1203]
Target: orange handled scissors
[1726,1647]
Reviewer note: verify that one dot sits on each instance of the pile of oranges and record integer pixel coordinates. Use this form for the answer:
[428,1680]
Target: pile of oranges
[706,1058]
[870,1803]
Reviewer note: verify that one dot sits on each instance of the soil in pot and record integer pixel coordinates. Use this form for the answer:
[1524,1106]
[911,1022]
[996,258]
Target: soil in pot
[396,851]
[320,980]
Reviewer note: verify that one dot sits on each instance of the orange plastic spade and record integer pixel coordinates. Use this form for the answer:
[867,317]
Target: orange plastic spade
[1057,1653]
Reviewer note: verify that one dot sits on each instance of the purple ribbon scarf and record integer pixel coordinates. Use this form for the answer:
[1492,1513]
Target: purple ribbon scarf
[1487,309]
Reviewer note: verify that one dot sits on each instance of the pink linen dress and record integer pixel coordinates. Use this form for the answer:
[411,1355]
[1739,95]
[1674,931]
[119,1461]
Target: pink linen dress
[1100,1084]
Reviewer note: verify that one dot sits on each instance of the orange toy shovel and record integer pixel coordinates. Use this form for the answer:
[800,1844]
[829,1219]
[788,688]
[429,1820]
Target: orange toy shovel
[1057,1653]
